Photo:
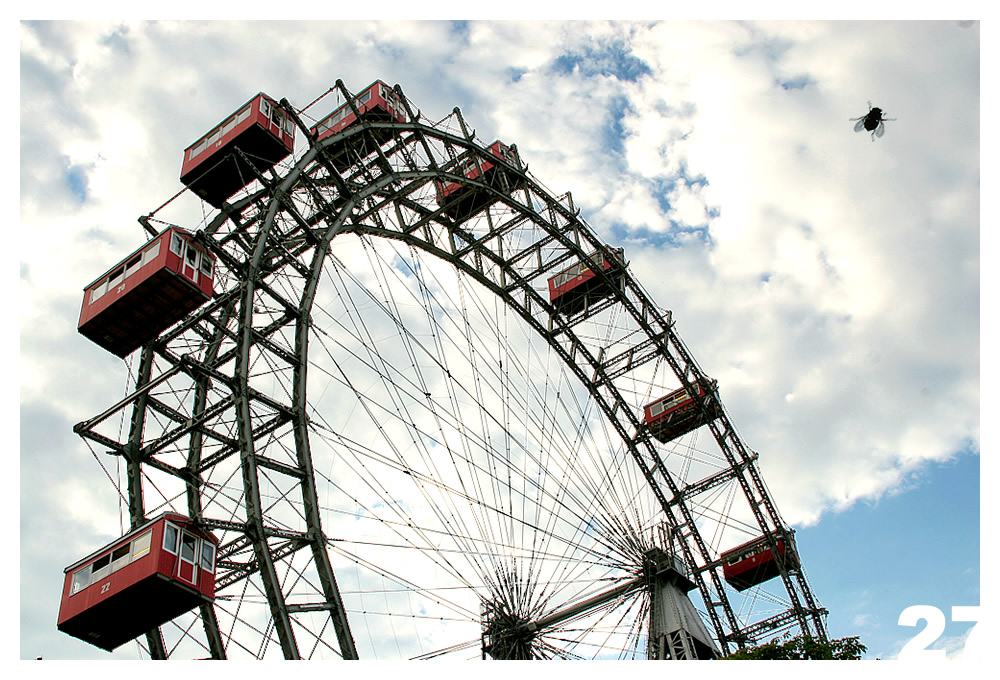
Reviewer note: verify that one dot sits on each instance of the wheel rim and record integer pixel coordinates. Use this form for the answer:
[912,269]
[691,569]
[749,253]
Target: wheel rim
[232,423]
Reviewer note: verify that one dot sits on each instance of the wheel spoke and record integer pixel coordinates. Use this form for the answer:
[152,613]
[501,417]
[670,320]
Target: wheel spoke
[408,442]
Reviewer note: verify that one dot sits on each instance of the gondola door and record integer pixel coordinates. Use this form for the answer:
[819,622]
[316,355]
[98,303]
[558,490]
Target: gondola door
[187,565]
[189,263]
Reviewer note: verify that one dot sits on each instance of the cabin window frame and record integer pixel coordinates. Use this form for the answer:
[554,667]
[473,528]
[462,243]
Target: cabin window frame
[207,561]
[151,252]
[116,278]
[571,273]
[82,579]
[138,550]
[277,117]
[228,126]
[167,528]
[192,256]
[189,541]
[98,291]
[344,110]
[133,264]
[198,148]
[100,568]
[176,244]
[335,118]
[108,563]
[120,556]
[388,95]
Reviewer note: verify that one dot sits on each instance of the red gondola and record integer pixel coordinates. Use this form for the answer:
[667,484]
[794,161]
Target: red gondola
[377,102]
[677,413]
[754,562]
[461,201]
[147,292]
[260,129]
[151,575]
[573,289]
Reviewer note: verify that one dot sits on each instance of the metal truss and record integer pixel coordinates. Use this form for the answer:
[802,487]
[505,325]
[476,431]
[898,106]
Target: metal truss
[220,415]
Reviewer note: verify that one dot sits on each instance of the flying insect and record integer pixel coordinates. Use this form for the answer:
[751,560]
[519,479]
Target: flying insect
[873,121]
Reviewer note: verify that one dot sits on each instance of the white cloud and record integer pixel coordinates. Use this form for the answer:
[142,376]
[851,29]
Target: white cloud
[864,621]
[835,296]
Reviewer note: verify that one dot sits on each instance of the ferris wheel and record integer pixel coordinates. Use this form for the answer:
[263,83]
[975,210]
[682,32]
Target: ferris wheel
[395,399]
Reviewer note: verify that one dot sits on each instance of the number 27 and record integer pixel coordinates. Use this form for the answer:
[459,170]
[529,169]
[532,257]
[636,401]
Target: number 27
[916,649]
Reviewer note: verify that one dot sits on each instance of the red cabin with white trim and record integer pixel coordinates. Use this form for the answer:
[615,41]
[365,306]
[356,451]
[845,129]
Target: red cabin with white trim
[677,413]
[753,562]
[147,292]
[376,103]
[260,129]
[153,574]
[460,201]
[577,287]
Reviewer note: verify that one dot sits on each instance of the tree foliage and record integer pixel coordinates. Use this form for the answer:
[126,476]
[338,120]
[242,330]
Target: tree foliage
[804,647]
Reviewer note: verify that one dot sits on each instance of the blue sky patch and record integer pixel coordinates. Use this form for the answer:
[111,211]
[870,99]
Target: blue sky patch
[662,187]
[773,50]
[75,177]
[459,29]
[613,60]
[894,530]
[827,446]
[797,83]
[677,237]
[515,73]
[117,40]
[613,132]
[564,64]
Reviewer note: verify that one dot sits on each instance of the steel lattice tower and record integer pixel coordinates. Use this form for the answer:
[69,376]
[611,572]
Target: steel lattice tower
[220,420]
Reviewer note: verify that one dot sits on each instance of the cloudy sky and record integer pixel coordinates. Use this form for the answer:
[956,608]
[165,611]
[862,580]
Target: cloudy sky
[831,284]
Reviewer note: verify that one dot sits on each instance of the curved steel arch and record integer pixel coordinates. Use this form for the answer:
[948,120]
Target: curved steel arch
[660,339]
[273,243]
